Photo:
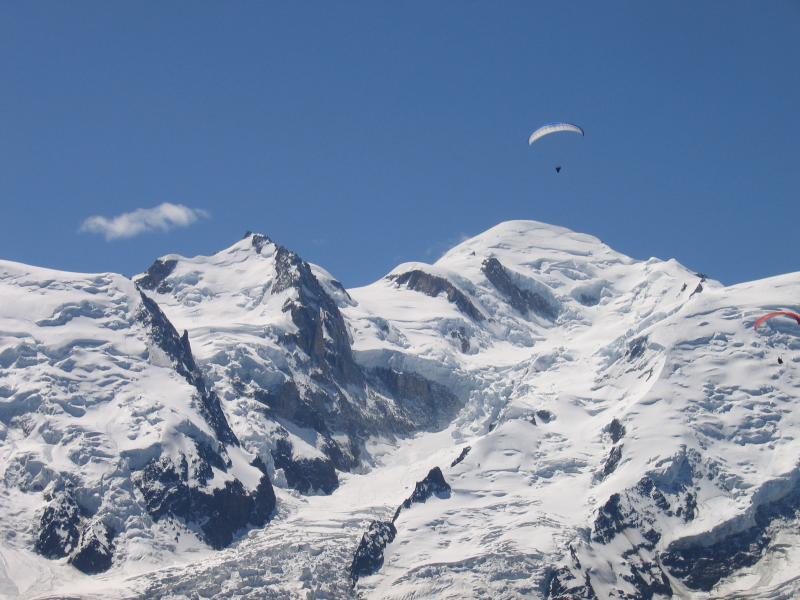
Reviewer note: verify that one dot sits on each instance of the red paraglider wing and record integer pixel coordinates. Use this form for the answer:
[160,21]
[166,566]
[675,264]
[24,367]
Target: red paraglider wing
[780,313]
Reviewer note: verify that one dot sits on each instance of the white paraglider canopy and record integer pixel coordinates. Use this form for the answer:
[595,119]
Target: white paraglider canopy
[553,128]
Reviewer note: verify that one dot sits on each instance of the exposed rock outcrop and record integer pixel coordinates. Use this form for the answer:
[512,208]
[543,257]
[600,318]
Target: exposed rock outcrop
[702,563]
[522,299]
[59,525]
[433,485]
[368,558]
[154,278]
[432,285]
[321,330]
[181,491]
[461,456]
[426,403]
[615,429]
[95,550]
[306,475]
[178,349]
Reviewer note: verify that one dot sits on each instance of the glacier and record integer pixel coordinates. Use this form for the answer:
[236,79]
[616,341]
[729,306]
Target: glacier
[604,427]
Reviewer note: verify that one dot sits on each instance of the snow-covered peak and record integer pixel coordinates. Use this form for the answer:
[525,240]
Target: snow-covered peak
[267,328]
[520,240]
[246,283]
[496,297]
[555,255]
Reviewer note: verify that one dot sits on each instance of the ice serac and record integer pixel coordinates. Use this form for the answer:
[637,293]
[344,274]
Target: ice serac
[269,332]
[111,438]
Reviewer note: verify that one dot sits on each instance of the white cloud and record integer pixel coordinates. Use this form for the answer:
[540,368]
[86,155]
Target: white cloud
[163,217]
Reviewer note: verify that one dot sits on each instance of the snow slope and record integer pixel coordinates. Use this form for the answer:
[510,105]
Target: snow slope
[106,427]
[622,431]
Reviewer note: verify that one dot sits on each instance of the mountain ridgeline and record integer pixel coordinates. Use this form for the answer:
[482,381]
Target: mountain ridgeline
[562,420]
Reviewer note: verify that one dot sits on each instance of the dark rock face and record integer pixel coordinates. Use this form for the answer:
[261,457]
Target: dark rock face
[315,314]
[264,498]
[563,585]
[305,474]
[59,526]
[610,520]
[341,459]
[545,416]
[178,349]
[461,456]
[156,274]
[96,549]
[523,300]
[649,580]
[67,531]
[331,404]
[621,512]
[665,493]
[433,485]
[647,488]
[699,288]
[368,558]
[701,564]
[166,487]
[285,401]
[615,429]
[325,410]
[425,402]
[611,462]
[431,285]
[323,341]
[701,567]
[689,509]
[219,513]
[259,240]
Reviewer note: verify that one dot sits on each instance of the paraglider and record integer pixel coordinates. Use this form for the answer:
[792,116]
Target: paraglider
[550,128]
[780,313]
[553,128]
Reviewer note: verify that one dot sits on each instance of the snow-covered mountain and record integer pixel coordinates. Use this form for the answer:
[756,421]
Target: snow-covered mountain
[533,415]
[114,448]
[270,332]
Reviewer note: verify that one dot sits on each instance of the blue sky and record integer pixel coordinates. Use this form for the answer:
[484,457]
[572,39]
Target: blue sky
[364,134]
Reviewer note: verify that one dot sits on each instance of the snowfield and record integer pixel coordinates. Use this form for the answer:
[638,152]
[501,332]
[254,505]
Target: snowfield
[613,428]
